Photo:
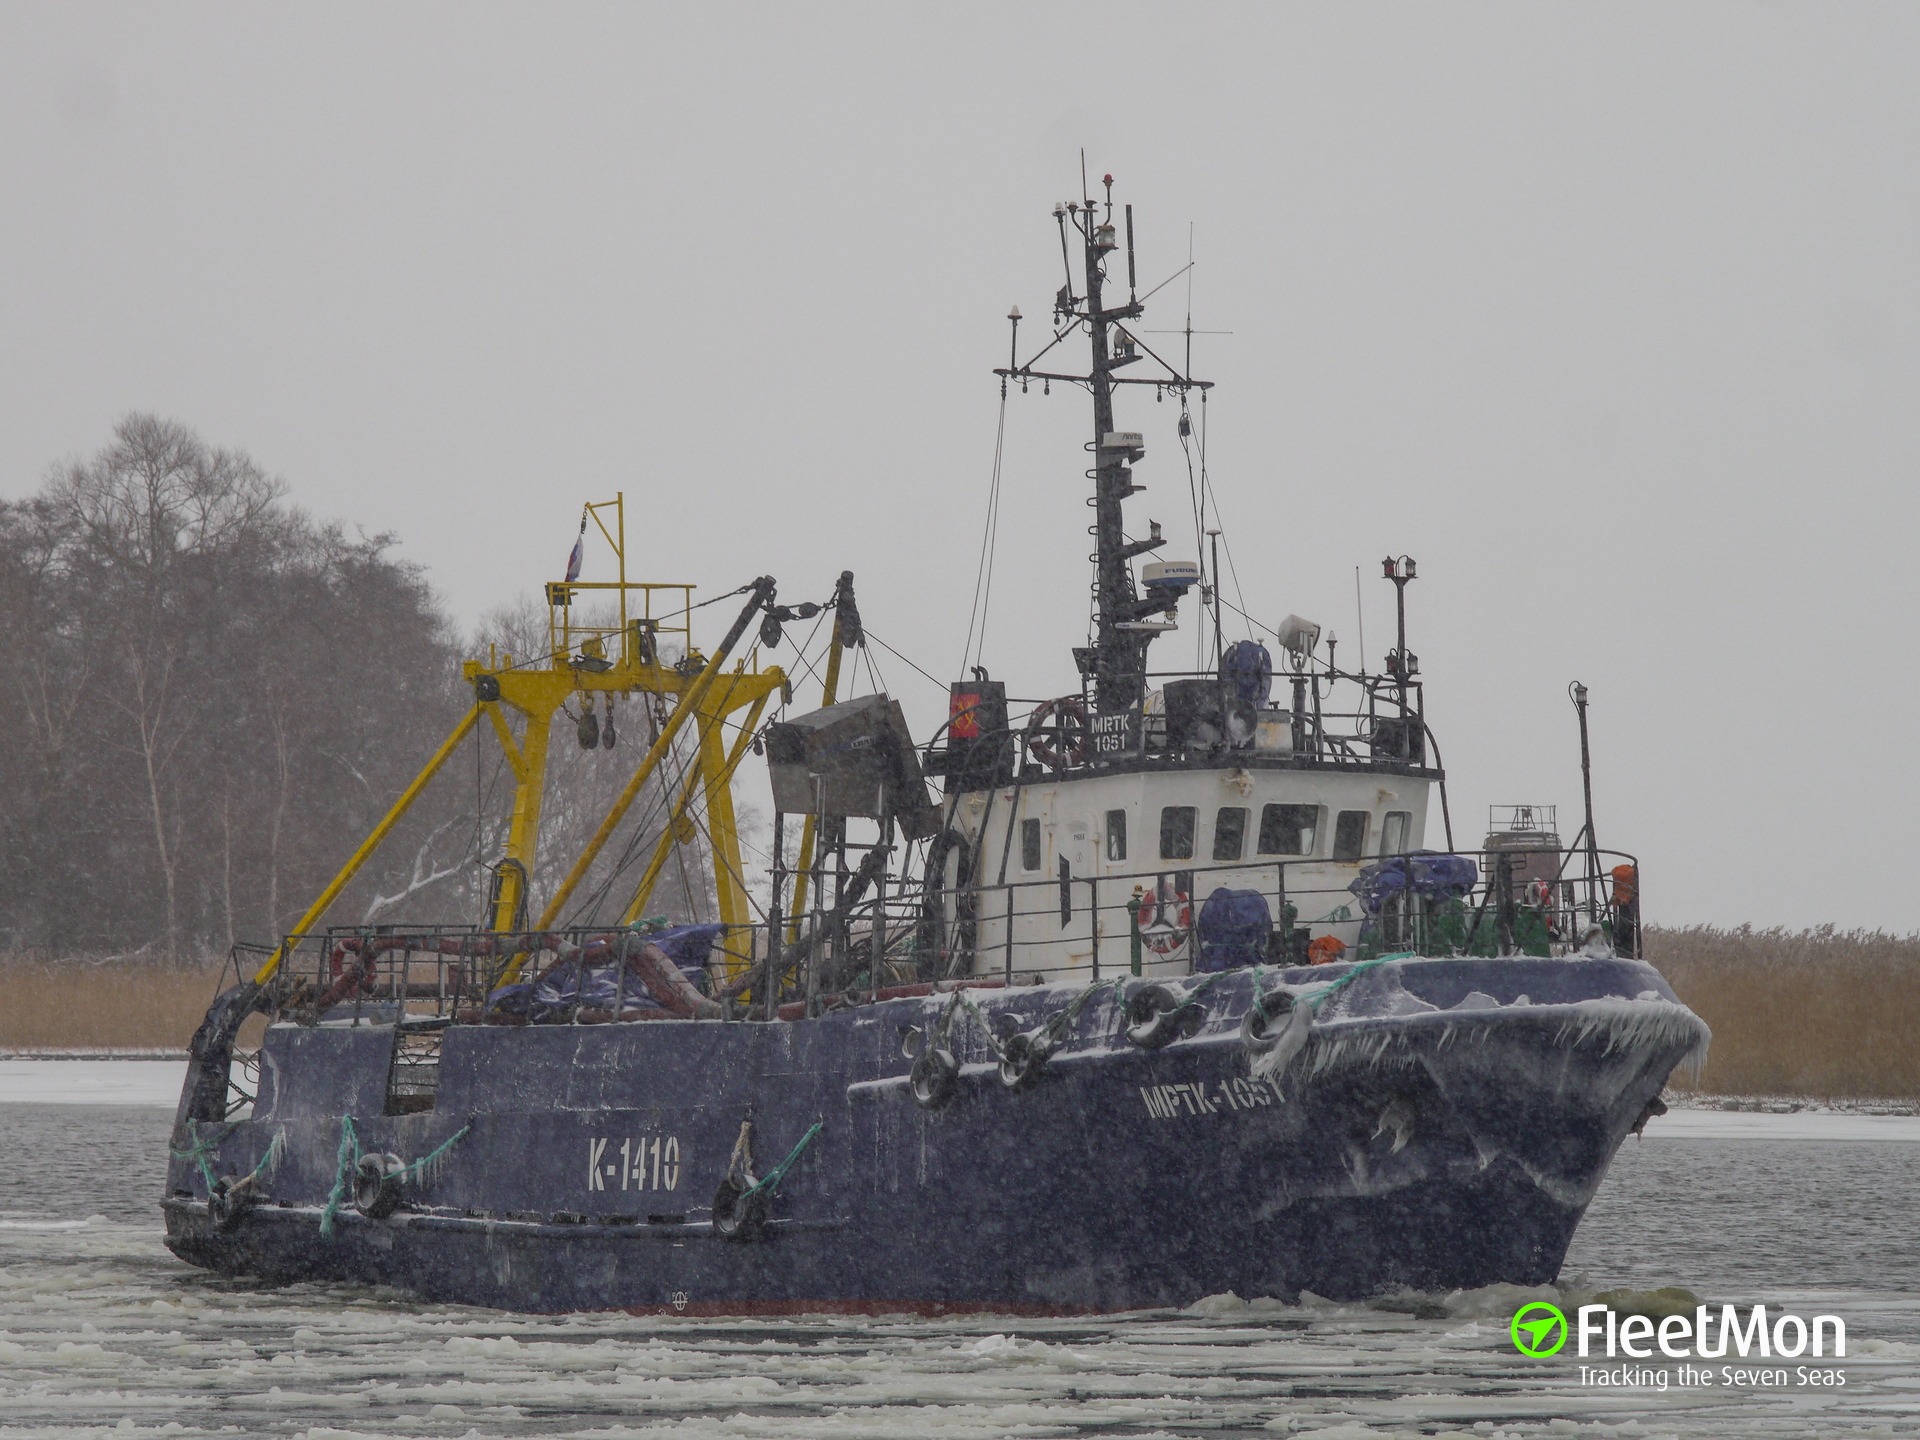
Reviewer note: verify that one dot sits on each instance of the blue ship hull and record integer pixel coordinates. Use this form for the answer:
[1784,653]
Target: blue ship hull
[1445,1127]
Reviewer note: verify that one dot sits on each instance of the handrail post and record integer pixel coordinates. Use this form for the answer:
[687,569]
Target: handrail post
[1503,900]
[775,932]
[877,945]
[1280,915]
[1133,920]
[1093,919]
[1007,940]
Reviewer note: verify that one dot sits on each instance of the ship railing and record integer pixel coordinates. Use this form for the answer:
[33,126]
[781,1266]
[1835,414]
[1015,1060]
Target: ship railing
[416,976]
[1522,901]
[1539,901]
[640,623]
[422,978]
[1387,727]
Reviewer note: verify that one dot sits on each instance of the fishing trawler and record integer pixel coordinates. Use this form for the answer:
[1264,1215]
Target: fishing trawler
[1149,990]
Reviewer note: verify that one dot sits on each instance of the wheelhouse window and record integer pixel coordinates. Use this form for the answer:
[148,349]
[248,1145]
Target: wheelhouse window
[1394,829]
[1229,832]
[1176,832]
[1029,844]
[1288,829]
[1350,835]
[1116,834]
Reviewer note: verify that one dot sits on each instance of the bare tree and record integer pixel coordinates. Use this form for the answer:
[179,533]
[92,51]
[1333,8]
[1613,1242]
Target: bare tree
[183,652]
[212,699]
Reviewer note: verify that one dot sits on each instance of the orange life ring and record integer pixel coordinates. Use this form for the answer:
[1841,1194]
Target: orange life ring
[1071,730]
[1540,893]
[1166,919]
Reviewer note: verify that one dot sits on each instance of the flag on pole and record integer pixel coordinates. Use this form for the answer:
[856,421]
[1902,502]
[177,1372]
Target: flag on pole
[579,553]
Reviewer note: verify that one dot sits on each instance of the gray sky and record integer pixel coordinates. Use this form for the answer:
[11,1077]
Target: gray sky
[1606,314]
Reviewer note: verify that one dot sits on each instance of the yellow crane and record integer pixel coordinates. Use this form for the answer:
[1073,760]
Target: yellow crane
[589,658]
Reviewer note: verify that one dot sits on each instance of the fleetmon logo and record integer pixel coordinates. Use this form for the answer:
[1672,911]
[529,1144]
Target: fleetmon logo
[1539,1330]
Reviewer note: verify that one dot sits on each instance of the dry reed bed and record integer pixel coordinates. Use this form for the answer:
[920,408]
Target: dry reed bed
[102,1004]
[1823,1013]
[1811,1013]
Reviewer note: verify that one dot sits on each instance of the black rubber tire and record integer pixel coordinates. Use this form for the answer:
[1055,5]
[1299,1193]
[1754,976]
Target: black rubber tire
[1154,1016]
[1260,1035]
[1022,1058]
[225,1209]
[934,1078]
[376,1185]
[737,1216]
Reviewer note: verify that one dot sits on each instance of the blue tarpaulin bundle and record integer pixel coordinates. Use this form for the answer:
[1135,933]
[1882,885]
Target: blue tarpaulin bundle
[1247,669]
[561,988]
[1234,925]
[688,947]
[1432,874]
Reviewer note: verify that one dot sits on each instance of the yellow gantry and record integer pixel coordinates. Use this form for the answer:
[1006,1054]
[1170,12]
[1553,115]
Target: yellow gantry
[588,658]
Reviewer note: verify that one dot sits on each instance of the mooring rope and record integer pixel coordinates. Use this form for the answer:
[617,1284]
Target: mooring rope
[349,1157]
[1055,1024]
[424,1168]
[1260,993]
[1314,1000]
[1061,1020]
[201,1148]
[740,1162]
[962,1000]
[269,1162]
[771,1180]
[1270,1055]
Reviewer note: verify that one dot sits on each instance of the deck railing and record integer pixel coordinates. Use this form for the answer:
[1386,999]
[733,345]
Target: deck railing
[1384,723]
[1066,926]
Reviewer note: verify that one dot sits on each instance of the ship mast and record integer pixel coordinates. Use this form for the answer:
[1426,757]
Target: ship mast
[1116,662]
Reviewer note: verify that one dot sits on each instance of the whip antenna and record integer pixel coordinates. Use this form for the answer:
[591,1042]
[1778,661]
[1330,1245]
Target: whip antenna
[1133,285]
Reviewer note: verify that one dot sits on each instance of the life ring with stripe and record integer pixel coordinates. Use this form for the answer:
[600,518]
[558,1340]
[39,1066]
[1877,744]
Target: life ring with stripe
[1166,919]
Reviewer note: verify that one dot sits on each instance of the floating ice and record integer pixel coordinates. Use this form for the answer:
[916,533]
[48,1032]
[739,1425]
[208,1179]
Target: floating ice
[154,1083]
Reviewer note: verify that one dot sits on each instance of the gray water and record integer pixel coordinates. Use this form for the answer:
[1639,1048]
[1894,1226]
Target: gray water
[103,1332]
